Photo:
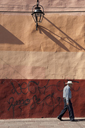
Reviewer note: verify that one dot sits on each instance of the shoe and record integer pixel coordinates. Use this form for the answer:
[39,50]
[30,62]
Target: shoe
[73,120]
[59,118]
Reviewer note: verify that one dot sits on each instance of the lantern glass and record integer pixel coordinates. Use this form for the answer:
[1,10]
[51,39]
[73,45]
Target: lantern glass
[38,17]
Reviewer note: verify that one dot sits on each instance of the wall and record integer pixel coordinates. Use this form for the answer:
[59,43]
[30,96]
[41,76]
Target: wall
[35,65]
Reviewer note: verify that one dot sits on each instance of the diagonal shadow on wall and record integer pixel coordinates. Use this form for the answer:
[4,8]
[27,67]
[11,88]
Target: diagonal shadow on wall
[7,37]
[71,41]
[41,27]
[45,31]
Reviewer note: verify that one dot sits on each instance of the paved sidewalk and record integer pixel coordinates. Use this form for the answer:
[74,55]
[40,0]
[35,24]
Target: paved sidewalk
[42,123]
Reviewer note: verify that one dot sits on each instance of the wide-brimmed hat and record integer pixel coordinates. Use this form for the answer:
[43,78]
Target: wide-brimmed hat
[69,82]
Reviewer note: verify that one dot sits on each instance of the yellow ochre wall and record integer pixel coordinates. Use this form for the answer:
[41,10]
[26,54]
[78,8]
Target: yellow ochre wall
[57,33]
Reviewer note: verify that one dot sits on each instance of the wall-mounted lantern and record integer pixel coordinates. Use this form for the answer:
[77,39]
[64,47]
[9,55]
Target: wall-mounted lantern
[37,13]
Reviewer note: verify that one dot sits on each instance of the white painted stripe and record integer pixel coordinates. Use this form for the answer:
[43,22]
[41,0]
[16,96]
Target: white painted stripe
[42,65]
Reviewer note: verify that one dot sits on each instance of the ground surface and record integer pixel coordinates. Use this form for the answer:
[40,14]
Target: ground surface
[42,123]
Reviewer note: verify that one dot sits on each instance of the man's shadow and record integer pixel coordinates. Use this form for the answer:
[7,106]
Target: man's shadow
[76,120]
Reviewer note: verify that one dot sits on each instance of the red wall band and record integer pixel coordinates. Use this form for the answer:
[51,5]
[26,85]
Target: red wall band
[38,98]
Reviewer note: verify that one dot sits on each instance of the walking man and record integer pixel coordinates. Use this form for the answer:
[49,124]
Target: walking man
[67,102]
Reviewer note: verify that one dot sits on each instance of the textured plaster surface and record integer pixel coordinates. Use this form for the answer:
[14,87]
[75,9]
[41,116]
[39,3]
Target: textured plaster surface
[57,33]
[42,65]
[36,64]
[49,5]
[33,98]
